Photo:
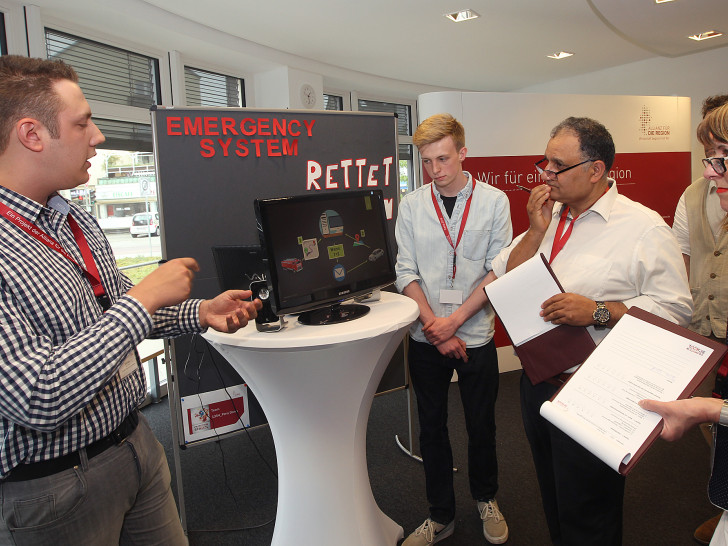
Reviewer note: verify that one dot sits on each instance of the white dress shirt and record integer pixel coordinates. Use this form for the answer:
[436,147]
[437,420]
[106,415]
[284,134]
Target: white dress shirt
[619,250]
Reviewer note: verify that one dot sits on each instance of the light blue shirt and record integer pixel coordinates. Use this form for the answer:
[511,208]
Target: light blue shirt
[425,255]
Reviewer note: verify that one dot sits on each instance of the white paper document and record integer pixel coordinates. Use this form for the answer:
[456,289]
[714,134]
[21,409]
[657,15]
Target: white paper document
[598,408]
[518,296]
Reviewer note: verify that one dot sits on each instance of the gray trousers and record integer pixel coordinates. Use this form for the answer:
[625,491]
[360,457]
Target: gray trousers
[121,496]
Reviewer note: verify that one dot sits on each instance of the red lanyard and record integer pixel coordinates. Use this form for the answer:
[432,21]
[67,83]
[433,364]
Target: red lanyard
[91,272]
[445,230]
[561,237]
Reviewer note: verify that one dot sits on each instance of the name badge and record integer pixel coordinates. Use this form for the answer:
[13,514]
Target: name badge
[451,296]
[129,366]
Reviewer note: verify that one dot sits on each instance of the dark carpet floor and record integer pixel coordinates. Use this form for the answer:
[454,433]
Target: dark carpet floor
[230,490]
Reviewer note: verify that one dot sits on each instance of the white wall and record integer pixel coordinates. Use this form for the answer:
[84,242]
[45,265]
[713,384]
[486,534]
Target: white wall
[696,76]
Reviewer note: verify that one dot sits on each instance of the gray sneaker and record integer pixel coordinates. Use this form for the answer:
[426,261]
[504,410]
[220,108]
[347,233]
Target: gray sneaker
[495,527]
[430,532]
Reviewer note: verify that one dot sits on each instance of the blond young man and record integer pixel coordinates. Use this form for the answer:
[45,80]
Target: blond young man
[447,234]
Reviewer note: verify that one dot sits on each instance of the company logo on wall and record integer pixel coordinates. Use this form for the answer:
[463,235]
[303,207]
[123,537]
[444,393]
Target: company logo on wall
[651,129]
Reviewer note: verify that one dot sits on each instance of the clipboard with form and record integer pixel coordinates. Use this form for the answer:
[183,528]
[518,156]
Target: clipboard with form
[643,356]
[545,349]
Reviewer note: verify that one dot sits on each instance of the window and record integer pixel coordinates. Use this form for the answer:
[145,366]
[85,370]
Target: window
[333,102]
[203,88]
[3,38]
[406,174]
[403,111]
[404,130]
[122,176]
[124,183]
[124,135]
[106,73]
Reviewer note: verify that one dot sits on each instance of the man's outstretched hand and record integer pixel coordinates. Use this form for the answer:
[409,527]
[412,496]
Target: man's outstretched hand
[229,311]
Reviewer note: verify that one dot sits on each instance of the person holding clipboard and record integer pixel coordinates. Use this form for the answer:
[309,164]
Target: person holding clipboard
[681,415]
[609,254]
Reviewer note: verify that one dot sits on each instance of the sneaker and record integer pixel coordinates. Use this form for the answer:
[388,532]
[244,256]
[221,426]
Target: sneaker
[495,527]
[430,532]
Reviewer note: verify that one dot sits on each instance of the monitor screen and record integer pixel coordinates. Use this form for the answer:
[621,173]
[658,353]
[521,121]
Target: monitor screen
[324,248]
[238,266]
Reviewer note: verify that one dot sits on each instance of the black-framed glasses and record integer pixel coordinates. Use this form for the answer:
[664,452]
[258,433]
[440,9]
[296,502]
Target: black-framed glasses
[551,175]
[717,163]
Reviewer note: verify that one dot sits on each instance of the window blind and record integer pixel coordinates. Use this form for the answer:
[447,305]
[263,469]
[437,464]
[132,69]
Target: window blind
[203,88]
[124,135]
[107,73]
[333,102]
[403,111]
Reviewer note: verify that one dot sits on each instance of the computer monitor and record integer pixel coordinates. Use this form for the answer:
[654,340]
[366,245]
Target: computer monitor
[238,266]
[323,249]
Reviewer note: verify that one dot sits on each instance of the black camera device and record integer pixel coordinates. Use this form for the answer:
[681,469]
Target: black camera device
[267,320]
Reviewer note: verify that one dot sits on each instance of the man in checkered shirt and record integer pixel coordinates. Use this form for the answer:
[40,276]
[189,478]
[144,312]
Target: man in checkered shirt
[78,463]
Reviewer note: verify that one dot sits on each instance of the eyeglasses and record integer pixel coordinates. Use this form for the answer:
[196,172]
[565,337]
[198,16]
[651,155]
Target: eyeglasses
[551,175]
[717,163]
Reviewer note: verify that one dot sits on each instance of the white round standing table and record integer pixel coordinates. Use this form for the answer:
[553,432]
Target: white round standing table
[316,385]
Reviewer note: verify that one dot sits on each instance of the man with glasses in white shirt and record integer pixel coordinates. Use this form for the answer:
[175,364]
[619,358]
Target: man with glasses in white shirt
[609,253]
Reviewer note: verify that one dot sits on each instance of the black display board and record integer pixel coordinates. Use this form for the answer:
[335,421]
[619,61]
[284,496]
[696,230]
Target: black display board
[212,163]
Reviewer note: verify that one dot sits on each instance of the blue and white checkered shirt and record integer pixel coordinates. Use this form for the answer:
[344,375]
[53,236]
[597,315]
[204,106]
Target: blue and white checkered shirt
[60,387]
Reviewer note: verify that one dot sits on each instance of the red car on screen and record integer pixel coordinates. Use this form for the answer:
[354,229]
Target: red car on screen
[293,264]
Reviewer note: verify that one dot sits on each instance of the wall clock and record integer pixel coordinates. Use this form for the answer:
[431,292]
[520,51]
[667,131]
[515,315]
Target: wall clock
[308,96]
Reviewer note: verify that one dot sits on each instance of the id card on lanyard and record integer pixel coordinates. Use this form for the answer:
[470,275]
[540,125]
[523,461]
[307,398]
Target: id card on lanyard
[91,271]
[452,296]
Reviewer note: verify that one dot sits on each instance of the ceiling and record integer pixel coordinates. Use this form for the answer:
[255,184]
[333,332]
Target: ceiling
[504,49]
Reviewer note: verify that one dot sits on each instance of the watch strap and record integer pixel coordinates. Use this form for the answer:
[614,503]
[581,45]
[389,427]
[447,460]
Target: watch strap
[723,420]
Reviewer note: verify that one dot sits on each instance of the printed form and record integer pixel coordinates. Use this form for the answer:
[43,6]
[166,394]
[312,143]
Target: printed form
[598,408]
[518,295]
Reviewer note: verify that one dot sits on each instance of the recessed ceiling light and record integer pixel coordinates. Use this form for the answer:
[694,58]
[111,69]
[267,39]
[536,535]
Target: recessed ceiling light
[705,35]
[462,15]
[662,1]
[560,55]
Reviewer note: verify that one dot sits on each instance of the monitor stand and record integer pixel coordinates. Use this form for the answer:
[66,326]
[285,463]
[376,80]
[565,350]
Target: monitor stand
[333,314]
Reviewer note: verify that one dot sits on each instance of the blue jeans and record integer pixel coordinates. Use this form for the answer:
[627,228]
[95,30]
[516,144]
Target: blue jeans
[121,496]
[478,378]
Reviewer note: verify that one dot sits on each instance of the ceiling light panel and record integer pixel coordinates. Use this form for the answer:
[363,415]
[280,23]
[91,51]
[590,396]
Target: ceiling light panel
[705,35]
[560,55]
[462,15]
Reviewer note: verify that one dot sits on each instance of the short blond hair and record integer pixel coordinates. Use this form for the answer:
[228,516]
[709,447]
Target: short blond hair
[438,127]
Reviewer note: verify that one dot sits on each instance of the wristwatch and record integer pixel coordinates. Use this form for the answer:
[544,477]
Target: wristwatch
[723,419]
[601,315]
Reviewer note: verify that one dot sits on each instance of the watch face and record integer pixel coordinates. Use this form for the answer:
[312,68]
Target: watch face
[601,315]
